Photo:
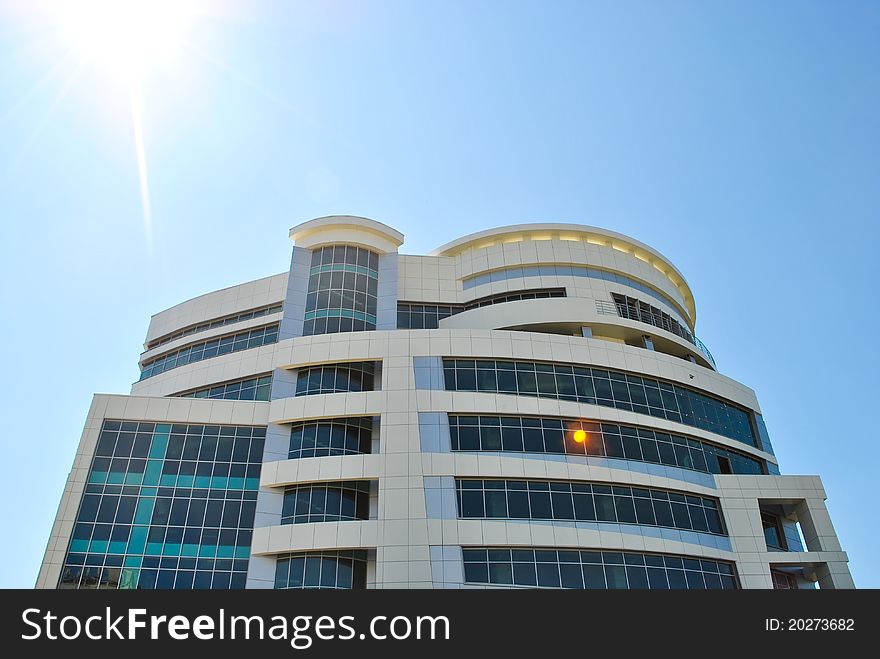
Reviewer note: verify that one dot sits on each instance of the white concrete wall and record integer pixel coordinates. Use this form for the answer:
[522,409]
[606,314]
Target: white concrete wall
[439,278]
[224,302]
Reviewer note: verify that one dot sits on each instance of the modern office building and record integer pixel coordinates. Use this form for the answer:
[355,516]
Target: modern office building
[524,407]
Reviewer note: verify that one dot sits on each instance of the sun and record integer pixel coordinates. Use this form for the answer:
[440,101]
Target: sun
[129,38]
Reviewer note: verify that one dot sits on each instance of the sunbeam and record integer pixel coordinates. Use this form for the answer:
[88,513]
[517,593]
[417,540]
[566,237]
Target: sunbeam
[137,126]
[130,40]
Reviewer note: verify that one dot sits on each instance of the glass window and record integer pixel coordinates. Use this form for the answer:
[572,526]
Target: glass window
[496,503]
[554,435]
[562,504]
[611,389]
[500,573]
[253,338]
[783,580]
[325,502]
[324,437]
[563,500]
[334,378]
[773,535]
[343,281]
[162,512]
[219,322]
[594,570]
[253,388]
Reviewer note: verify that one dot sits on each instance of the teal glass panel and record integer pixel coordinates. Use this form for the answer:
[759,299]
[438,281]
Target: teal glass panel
[144,489]
[160,443]
[117,547]
[98,546]
[137,540]
[252,484]
[144,512]
[99,477]
[236,483]
[153,472]
[133,478]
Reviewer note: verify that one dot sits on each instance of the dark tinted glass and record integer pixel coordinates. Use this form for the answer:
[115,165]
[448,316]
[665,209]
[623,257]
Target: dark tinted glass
[586,502]
[549,568]
[608,388]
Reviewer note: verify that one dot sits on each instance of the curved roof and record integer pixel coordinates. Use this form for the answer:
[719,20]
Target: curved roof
[347,228]
[587,233]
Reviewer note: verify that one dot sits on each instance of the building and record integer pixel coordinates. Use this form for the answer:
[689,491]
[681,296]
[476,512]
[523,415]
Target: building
[526,406]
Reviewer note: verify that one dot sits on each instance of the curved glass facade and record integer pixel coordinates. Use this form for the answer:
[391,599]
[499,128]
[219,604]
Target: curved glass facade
[322,569]
[518,434]
[587,502]
[343,436]
[562,568]
[624,391]
[326,502]
[259,336]
[335,378]
[256,388]
[343,283]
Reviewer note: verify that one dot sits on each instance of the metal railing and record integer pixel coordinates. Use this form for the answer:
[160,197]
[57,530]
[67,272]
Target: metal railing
[611,308]
[606,308]
[702,347]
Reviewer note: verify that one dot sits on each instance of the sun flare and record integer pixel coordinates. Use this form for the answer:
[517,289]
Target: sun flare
[128,40]
[127,37]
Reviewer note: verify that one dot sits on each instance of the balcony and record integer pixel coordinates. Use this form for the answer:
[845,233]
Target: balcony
[649,315]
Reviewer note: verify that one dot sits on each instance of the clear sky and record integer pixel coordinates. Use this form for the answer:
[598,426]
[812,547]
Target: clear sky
[741,139]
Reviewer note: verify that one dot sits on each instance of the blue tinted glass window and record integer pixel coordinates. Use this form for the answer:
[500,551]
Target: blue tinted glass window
[608,388]
[345,570]
[584,437]
[253,338]
[562,500]
[551,568]
[187,507]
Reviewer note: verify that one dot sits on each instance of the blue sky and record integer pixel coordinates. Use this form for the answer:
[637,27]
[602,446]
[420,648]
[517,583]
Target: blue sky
[741,139]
